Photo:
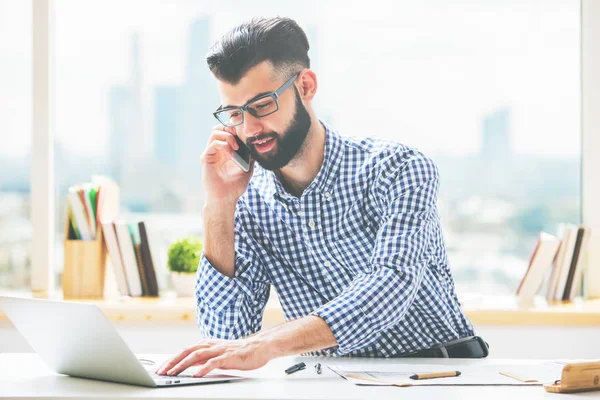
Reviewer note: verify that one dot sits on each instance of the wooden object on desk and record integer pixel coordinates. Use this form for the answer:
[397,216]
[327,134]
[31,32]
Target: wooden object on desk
[577,377]
[84,265]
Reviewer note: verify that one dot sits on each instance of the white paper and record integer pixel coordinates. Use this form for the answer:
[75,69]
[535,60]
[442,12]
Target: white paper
[472,375]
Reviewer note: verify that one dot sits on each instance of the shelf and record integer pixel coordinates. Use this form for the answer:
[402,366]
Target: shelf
[505,310]
[481,310]
[169,309]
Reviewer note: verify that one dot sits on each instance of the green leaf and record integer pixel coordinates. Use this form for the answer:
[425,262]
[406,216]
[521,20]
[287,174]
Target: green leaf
[184,255]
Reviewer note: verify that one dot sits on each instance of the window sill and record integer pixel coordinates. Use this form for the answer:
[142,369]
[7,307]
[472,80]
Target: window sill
[481,310]
[506,310]
[167,309]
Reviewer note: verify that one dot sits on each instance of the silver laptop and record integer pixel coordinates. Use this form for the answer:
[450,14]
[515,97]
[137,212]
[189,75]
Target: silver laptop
[77,339]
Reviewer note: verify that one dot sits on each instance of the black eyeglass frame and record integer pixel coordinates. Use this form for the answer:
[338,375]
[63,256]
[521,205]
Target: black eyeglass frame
[274,95]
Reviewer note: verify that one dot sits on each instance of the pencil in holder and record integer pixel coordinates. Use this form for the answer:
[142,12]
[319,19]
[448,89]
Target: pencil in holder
[84,265]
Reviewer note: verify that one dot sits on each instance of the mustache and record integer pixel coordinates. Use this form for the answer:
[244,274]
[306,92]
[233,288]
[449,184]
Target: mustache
[261,137]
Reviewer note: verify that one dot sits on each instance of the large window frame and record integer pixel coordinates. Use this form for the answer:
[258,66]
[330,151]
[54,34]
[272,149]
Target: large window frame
[42,152]
[590,139]
[42,168]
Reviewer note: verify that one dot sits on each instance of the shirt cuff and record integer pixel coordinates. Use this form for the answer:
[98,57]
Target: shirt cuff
[349,324]
[217,290]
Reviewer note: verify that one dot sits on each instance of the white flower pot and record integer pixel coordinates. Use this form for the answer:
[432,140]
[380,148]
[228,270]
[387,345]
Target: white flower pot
[184,283]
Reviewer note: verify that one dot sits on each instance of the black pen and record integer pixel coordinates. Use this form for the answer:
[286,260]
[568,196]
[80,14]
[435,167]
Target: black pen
[295,368]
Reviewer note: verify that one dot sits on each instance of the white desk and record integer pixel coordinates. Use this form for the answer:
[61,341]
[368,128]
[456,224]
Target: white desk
[25,376]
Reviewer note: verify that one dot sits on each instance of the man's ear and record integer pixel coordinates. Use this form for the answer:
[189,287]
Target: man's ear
[307,85]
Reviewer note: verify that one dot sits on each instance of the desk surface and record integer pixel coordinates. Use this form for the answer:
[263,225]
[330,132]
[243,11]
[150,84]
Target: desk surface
[25,376]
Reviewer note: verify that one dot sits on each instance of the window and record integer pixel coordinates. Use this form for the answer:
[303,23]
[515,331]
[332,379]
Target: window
[489,90]
[15,148]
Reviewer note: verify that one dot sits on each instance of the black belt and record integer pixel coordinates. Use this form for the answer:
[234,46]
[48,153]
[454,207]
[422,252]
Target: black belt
[466,347]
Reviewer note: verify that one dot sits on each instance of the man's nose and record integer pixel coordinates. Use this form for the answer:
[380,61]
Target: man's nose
[252,126]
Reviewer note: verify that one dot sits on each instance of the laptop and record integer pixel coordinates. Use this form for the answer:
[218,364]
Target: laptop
[77,339]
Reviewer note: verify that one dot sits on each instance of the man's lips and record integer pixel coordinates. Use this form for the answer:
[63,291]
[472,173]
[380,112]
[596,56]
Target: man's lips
[264,145]
[262,141]
[259,140]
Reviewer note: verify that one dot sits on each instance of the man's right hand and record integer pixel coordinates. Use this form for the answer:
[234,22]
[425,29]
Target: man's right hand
[224,182]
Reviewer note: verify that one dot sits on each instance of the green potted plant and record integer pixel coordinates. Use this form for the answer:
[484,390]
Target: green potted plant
[184,256]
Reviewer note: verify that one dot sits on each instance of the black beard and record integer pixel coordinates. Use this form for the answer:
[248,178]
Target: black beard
[288,144]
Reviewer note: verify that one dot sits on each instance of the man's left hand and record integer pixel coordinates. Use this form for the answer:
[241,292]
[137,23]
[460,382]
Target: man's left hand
[242,354]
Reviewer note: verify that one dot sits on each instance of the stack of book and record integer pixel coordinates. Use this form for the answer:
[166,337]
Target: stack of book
[131,256]
[88,204]
[93,209]
[560,261]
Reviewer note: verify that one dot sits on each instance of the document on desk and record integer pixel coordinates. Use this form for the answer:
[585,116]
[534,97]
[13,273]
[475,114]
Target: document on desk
[471,375]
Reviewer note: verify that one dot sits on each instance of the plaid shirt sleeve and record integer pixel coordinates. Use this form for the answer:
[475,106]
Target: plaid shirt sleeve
[232,308]
[378,299]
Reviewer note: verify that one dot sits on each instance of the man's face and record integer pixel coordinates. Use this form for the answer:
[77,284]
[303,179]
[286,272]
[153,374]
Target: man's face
[276,139]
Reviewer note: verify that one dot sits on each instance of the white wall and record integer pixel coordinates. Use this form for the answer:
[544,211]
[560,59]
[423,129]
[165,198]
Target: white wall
[542,342]
[505,341]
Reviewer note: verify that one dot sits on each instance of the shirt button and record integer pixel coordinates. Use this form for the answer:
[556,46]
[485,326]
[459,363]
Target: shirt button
[327,264]
[327,195]
[311,223]
[300,213]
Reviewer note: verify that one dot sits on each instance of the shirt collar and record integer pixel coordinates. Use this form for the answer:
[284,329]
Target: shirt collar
[326,175]
[331,162]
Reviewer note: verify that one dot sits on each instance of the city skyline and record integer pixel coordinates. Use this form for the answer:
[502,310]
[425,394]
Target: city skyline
[435,66]
[154,133]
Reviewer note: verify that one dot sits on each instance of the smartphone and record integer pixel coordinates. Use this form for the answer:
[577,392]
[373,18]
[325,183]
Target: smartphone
[241,156]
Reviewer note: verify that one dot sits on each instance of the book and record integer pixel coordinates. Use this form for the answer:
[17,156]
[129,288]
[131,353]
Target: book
[93,193]
[129,260]
[98,198]
[90,202]
[137,245]
[85,201]
[566,261]
[73,232]
[108,199]
[81,223]
[114,252]
[573,263]
[555,275]
[579,266]
[138,257]
[148,260]
[539,264]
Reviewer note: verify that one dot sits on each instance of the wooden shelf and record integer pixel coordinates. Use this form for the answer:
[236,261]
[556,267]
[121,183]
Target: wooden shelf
[482,310]
[168,309]
[505,310]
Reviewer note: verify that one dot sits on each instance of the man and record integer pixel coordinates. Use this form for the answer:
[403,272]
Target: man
[345,229]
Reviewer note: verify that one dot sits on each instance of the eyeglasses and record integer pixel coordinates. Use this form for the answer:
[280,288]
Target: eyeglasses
[259,107]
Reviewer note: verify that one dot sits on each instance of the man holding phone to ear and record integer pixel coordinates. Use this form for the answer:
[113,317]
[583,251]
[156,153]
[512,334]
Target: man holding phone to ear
[346,230]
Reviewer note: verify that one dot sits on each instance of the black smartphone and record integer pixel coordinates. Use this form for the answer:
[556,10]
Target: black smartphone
[241,156]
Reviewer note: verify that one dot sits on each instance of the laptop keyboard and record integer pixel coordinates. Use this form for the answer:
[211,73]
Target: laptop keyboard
[162,378]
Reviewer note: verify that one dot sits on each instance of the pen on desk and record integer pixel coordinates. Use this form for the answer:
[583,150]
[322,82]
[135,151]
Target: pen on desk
[294,368]
[433,375]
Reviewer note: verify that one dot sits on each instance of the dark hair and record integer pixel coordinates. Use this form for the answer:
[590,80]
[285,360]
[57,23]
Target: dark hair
[278,40]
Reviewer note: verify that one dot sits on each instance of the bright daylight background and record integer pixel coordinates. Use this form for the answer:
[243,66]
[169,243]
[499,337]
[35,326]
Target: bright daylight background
[489,89]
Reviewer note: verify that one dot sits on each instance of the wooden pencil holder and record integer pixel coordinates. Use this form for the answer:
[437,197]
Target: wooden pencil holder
[84,266]
[577,377]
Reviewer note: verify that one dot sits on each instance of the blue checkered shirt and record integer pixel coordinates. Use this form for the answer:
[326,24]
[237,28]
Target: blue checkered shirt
[362,248]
